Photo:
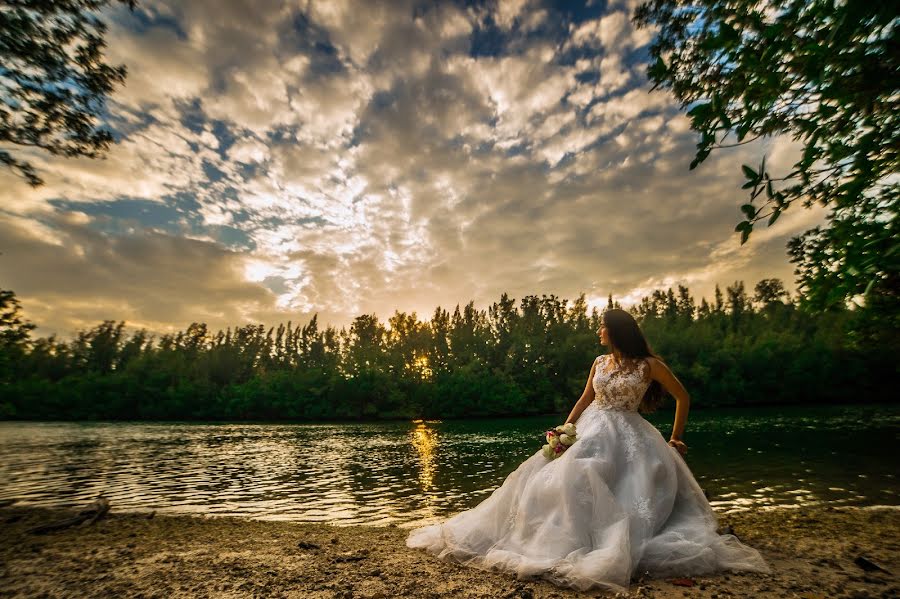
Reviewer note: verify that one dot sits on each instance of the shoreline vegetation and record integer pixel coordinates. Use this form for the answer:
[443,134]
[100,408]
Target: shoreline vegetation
[815,552]
[407,420]
[506,360]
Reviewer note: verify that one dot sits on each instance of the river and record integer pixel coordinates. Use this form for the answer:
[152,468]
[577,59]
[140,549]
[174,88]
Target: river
[409,473]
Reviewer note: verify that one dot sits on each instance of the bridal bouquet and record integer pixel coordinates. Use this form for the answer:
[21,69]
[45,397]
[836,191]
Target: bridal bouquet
[558,440]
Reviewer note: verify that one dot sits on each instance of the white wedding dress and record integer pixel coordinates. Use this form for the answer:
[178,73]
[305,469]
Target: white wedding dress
[618,503]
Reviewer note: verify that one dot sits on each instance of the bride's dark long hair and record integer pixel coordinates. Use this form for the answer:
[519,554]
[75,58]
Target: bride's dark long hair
[627,342]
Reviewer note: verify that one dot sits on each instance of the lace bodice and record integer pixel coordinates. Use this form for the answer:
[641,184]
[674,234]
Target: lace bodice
[620,388]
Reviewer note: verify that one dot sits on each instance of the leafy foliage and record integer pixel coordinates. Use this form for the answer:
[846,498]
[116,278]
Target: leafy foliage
[824,72]
[53,79]
[15,332]
[857,254]
[525,359]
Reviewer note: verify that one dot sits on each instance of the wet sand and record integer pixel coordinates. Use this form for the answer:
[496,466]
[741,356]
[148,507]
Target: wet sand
[814,554]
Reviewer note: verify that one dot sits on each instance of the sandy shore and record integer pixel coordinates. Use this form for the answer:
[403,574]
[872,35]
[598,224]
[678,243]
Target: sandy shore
[814,553]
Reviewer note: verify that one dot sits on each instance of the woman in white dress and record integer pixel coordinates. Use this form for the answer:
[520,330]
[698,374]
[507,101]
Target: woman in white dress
[619,502]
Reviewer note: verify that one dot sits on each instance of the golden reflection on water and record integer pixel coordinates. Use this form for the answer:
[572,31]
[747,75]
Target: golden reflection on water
[425,441]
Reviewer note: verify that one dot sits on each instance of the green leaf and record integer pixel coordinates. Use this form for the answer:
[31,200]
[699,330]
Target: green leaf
[772,31]
[729,34]
[659,70]
[774,217]
[809,156]
[700,157]
[726,122]
[749,210]
[869,287]
[744,227]
[750,173]
[710,42]
[779,199]
[699,110]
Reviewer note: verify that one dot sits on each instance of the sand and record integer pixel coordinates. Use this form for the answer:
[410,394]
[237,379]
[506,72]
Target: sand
[814,553]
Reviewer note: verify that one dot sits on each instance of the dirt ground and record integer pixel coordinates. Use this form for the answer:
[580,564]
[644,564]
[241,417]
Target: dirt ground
[815,553]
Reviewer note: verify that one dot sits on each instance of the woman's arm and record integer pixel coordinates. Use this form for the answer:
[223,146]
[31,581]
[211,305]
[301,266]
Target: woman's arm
[586,398]
[660,372]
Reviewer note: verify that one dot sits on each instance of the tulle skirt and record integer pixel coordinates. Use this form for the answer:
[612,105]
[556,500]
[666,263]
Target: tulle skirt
[618,503]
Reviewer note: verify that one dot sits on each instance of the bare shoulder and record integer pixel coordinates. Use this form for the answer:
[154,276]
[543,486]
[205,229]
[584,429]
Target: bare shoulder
[661,373]
[657,366]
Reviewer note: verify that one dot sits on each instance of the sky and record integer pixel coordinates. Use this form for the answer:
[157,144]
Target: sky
[276,161]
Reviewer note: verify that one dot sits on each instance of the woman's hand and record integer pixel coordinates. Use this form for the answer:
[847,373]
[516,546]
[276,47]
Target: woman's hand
[679,445]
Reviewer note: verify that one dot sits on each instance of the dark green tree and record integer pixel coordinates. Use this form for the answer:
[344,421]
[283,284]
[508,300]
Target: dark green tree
[719,305]
[824,72]
[15,334]
[14,329]
[511,361]
[686,307]
[53,79]
[15,341]
[769,291]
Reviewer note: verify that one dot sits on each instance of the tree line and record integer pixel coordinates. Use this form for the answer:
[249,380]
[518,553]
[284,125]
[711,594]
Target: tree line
[512,359]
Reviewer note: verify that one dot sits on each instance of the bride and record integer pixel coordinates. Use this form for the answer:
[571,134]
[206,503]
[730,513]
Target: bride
[619,502]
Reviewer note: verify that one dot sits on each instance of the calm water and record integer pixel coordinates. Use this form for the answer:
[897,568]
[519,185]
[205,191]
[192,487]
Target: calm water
[415,472]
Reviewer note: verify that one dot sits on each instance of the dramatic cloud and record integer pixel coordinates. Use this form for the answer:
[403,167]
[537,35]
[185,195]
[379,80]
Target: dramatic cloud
[281,160]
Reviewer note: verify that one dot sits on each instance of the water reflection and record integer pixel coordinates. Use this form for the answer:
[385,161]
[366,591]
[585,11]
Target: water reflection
[410,473]
[425,442]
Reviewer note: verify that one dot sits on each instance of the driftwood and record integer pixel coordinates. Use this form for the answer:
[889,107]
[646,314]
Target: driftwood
[89,515]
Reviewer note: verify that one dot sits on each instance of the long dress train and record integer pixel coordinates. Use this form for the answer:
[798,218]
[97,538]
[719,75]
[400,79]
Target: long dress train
[619,502]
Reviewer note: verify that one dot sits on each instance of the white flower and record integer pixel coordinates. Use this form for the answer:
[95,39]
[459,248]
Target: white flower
[569,429]
[566,439]
[553,441]
[548,452]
